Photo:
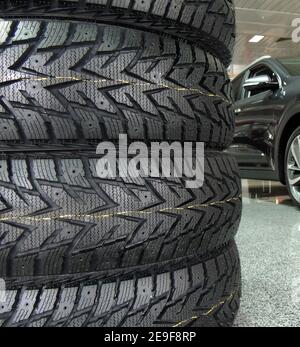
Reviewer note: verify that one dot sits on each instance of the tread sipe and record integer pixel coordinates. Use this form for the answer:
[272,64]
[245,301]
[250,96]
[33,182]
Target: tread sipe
[207,23]
[190,292]
[57,216]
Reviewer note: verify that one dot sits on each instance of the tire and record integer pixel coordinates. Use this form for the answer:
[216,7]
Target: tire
[56,90]
[58,218]
[290,159]
[188,292]
[207,23]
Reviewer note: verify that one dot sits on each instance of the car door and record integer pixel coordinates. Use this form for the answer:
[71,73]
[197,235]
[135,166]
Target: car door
[254,110]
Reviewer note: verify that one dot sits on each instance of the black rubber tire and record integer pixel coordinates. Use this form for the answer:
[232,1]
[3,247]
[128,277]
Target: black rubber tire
[291,139]
[77,83]
[57,217]
[207,23]
[200,292]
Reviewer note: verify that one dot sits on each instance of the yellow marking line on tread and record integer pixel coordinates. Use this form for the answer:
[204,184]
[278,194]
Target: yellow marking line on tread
[185,321]
[123,213]
[179,89]
[209,312]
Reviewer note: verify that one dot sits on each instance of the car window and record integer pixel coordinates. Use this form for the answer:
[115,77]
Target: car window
[237,87]
[260,71]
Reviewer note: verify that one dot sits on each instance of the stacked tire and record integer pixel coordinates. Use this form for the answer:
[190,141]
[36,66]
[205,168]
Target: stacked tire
[80,250]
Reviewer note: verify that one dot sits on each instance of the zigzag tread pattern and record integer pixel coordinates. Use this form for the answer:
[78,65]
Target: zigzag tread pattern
[192,292]
[57,217]
[207,23]
[79,83]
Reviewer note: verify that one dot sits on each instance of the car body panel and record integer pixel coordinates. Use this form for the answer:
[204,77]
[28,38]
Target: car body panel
[261,120]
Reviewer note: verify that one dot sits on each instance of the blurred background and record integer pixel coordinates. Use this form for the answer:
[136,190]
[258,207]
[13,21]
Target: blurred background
[264,28]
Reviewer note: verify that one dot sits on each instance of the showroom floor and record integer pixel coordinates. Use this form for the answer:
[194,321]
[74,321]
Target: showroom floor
[269,243]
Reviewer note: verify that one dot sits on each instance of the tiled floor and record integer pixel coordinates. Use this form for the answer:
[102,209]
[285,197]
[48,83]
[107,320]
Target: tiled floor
[269,243]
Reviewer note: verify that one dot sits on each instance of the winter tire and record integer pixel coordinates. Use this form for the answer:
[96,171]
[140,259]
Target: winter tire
[207,23]
[57,217]
[190,292]
[76,84]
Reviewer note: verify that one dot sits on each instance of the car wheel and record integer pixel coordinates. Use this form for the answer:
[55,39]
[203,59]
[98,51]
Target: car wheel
[292,164]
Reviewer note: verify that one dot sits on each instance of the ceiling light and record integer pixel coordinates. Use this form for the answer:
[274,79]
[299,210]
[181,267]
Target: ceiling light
[256,38]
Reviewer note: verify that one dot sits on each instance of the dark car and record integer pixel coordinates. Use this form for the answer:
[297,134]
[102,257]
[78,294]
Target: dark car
[267,107]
